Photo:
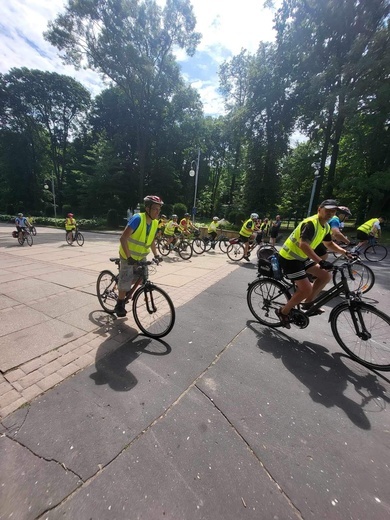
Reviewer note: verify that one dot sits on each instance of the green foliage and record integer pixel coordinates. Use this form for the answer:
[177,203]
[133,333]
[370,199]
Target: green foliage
[179,209]
[66,208]
[112,218]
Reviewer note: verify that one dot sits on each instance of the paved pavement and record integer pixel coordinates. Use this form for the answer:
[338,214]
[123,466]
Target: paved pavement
[224,419]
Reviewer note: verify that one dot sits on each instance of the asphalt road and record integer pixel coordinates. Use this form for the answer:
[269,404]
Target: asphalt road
[224,419]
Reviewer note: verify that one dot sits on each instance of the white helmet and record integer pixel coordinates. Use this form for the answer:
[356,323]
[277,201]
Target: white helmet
[215,218]
[254,216]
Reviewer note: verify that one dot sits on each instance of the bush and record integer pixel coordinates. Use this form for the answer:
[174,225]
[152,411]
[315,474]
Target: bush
[112,218]
[66,208]
[179,209]
[10,209]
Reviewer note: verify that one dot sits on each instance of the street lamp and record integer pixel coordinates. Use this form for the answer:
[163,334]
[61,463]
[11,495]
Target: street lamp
[46,186]
[195,173]
[317,175]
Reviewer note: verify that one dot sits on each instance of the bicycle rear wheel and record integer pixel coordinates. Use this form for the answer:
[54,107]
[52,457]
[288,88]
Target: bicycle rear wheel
[235,252]
[107,290]
[69,238]
[184,249]
[363,332]
[29,239]
[21,240]
[153,311]
[79,239]
[264,297]
[363,277]
[33,231]
[207,244]
[375,253]
[198,246]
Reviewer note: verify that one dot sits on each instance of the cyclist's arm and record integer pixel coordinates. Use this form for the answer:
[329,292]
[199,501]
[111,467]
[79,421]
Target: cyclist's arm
[334,247]
[338,235]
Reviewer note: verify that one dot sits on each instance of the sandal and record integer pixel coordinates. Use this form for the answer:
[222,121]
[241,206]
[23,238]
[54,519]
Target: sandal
[284,318]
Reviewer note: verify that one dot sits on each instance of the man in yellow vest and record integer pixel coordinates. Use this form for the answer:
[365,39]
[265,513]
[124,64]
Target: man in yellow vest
[371,228]
[298,257]
[135,243]
[70,226]
[247,232]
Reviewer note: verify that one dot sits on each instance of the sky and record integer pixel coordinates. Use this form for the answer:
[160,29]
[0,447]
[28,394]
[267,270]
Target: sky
[227,26]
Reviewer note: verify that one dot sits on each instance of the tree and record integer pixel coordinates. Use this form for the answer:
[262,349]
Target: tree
[131,42]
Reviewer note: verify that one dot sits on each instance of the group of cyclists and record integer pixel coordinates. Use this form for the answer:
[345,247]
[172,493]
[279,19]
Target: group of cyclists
[22,223]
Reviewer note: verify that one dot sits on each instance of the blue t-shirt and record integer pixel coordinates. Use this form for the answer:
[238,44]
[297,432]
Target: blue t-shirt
[334,222]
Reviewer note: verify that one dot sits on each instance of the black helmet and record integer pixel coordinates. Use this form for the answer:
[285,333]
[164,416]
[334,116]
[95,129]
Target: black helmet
[346,211]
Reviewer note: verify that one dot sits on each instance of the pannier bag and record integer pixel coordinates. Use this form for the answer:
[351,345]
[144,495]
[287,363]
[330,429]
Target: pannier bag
[264,268]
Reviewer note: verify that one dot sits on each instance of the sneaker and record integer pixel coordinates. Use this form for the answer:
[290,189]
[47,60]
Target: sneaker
[246,258]
[284,318]
[120,310]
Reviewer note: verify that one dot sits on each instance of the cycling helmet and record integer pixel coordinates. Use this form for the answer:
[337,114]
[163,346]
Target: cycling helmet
[152,199]
[174,216]
[215,218]
[163,216]
[254,216]
[70,214]
[20,214]
[187,215]
[346,211]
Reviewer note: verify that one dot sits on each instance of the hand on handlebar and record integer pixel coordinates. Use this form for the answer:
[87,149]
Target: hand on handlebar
[327,266]
[157,259]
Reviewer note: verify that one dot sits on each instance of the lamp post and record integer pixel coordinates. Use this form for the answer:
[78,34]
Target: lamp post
[195,173]
[317,175]
[46,186]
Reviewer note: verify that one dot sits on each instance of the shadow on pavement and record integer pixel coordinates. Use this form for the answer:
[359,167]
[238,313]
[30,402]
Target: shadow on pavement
[324,374]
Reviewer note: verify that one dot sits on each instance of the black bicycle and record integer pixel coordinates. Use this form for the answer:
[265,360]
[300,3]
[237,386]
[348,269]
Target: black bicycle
[179,245]
[74,237]
[25,237]
[360,329]
[153,309]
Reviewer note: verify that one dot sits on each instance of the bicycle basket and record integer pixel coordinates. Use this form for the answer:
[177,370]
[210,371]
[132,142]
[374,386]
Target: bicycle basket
[265,252]
[264,268]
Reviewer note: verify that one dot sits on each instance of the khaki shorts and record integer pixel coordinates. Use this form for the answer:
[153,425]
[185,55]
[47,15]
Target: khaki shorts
[126,275]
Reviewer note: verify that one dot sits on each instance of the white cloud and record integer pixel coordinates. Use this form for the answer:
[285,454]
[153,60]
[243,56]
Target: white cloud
[226,28]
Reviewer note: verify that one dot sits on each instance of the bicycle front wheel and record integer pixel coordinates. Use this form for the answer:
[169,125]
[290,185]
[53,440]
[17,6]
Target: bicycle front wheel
[223,244]
[198,246]
[153,311]
[69,238]
[375,253]
[363,332]
[184,249]
[79,239]
[21,240]
[359,276]
[235,252]
[107,290]
[29,239]
[264,297]
[33,231]
[163,247]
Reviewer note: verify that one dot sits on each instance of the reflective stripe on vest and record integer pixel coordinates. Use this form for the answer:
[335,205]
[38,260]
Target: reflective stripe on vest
[367,226]
[138,243]
[70,224]
[290,249]
[170,228]
[245,232]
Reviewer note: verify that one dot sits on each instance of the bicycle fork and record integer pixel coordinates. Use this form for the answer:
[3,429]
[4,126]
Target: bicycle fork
[149,300]
[358,322]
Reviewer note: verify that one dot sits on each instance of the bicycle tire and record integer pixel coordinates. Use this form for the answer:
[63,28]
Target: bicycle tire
[264,297]
[69,238]
[163,247]
[364,278]
[79,239]
[223,244]
[198,246]
[107,290]
[29,239]
[153,311]
[33,231]
[184,249]
[207,245]
[235,252]
[375,253]
[372,353]
[21,240]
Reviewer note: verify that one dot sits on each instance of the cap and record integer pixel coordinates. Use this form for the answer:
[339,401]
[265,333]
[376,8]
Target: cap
[329,204]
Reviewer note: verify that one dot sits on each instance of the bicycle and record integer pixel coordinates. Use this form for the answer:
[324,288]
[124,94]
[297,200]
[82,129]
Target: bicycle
[373,251]
[221,240]
[359,328]
[26,237]
[77,237]
[236,249]
[180,245]
[152,308]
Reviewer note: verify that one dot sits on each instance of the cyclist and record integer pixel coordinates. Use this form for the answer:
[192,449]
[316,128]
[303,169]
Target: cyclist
[21,223]
[337,224]
[263,230]
[298,258]
[135,243]
[212,230]
[247,232]
[169,231]
[70,226]
[370,229]
[186,225]
[161,225]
